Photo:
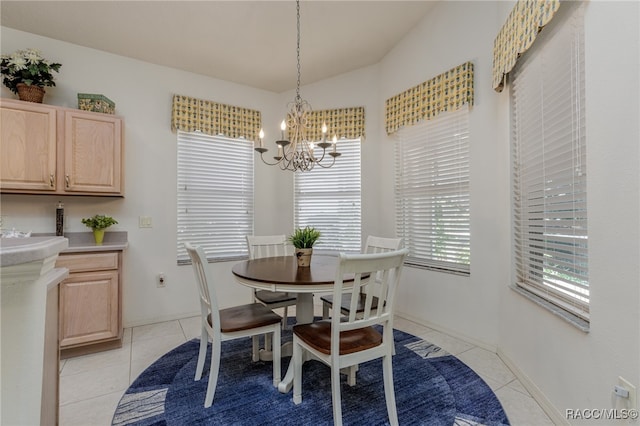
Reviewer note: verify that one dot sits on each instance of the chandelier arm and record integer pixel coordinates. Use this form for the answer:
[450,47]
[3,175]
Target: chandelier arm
[326,167]
[267,163]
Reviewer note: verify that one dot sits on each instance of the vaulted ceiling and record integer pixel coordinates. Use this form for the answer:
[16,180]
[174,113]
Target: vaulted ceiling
[248,42]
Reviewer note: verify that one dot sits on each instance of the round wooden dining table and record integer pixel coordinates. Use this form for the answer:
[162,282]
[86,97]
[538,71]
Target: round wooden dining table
[281,273]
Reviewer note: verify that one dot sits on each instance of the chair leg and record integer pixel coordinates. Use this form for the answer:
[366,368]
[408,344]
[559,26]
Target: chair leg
[389,393]
[267,341]
[335,395]
[277,375]
[296,359]
[202,354]
[284,318]
[325,310]
[255,348]
[213,373]
[351,375]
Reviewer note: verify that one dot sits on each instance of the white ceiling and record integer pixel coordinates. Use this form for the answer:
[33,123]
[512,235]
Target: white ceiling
[248,42]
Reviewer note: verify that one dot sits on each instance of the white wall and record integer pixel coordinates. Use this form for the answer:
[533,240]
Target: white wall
[454,33]
[563,367]
[143,95]
[571,368]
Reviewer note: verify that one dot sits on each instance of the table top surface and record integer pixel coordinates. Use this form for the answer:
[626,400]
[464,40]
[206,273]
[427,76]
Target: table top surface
[285,270]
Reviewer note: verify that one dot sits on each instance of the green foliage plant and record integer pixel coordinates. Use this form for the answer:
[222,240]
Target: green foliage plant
[28,67]
[99,222]
[304,237]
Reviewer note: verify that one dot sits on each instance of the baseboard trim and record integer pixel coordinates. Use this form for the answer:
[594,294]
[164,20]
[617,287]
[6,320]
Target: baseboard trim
[556,416]
[453,333]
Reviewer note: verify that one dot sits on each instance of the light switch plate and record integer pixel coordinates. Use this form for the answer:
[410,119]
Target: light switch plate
[145,222]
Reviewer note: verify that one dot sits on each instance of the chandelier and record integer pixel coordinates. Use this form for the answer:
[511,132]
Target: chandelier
[298,152]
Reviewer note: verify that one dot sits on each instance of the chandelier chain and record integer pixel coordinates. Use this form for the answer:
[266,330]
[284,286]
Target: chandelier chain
[297,153]
[298,97]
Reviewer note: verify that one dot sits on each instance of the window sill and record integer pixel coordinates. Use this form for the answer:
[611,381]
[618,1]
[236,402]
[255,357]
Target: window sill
[437,269]
[575,321]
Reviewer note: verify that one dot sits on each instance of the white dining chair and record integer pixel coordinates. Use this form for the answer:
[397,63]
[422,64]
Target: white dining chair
[348,341]
[260,246]
[227,324]
[372,245]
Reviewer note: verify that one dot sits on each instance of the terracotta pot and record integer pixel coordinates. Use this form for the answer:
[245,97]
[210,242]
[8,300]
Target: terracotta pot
[30,93]
[98,235]
[304,257]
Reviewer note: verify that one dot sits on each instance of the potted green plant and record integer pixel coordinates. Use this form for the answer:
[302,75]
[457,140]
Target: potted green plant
[98,224]
[26,73]
[303,240]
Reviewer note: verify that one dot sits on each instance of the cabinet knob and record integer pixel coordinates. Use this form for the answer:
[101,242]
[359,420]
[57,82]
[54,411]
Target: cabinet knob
[66,180]
[52,180]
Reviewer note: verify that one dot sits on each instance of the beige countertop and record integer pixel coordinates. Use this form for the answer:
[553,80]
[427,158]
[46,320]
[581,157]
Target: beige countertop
[14,251]
[80,242]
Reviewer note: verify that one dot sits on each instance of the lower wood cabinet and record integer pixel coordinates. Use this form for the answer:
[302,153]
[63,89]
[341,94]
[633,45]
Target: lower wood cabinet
[90,303]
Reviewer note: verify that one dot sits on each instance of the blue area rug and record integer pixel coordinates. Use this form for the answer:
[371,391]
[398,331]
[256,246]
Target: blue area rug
[432,388]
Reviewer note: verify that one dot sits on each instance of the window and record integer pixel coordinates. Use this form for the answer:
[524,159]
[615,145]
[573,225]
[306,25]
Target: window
[215,195]
[432,191]
[549,168]
[329,200]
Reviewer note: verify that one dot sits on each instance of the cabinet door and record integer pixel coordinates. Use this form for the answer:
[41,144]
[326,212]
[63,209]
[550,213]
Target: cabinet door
[92,153]
[27,147]
[89,309]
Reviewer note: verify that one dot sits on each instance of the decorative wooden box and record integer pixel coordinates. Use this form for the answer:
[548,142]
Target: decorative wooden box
[96,103]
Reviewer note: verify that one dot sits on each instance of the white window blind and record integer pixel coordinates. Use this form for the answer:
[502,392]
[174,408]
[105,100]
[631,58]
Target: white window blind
[549,168]
[432,191]
[330,200]
[215,195]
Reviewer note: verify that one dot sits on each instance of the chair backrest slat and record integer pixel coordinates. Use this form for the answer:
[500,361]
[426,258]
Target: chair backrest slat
[381,245]
[266,246]
[204,280]
[386,266]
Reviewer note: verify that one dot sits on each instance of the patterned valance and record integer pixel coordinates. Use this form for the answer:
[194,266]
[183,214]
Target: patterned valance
[212,118]
[518,34]
[343,123]
[446,92]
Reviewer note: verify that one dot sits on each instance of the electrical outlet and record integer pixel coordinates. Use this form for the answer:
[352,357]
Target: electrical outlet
[162,280]
[632,399]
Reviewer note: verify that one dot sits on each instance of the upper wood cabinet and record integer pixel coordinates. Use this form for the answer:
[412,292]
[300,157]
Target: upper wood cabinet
[92,152]
[28,147]
[49,149]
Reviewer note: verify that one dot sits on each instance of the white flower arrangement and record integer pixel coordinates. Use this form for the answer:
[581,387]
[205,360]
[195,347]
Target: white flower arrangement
[27,67]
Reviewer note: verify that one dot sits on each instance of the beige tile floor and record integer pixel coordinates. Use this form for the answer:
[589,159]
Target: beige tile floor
[91,385]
